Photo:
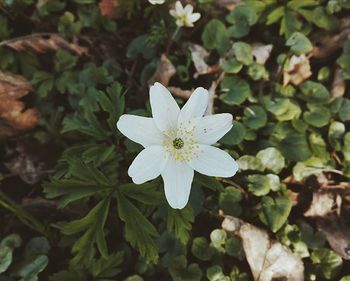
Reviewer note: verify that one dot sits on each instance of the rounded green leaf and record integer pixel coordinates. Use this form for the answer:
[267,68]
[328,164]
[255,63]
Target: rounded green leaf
[235,135]
[236,90]
[272,159]
[314,92]
[318,116]
[255,117]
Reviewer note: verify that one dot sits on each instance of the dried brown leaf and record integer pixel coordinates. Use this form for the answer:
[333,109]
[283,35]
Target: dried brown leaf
[20,162]
[199,56]
[164,72]
[14,118]
[261,52]
[337,234]
[338,86]
[228,4]
[327,45]
[323,204]
[268,259]
[297,71]
[110,9]
[180,93]
[43,42]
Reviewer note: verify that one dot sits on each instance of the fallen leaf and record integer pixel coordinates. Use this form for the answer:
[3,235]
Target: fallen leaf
[269,260]
[261,52]
[164,72]
[109,8]
[43,42]
[297,71]
[199,56]
[338,85]
[324,203]
[327,45]
[228,4]
[14,118]
[180,93]
[337,234]
[20,162]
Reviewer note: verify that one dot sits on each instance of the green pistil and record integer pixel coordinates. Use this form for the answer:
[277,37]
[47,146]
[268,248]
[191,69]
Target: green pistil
[178,143]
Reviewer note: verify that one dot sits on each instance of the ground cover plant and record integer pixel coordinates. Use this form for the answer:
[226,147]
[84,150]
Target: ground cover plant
[70,69]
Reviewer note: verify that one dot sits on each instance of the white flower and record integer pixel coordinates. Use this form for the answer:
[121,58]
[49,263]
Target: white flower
[177,142]
[184,15]
[156,2]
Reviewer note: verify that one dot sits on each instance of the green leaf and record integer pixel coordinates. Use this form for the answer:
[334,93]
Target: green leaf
[218,239]
[201,249]
[249,162]
[335,134]
[215,36]
[229,201]
[272,159]
[313,239]
[30,270]
[107,267]
[255,117]
[7,246]
[344,111]
[312,166]
[235,135]
[318,146]
[241,18]
[214,273]
[243,53]
[299,43]
[290,23]
[346,148]
[208,182]
[146,193]
[314,92]
[179,270]
[180,222]
[231,65]
[233,247]
[274,212]
[291,143]
[138,230]
[93,227]
[236,90]
[170,247]
[320,18]
[139,46]
[318,116]
[327,263]
[261,185]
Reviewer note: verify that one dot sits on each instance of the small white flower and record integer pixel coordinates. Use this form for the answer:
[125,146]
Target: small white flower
[184,15]
[177,142]
[156,2]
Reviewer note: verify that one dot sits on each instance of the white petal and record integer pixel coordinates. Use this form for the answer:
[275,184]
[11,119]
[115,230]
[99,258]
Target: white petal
[177,177]
[195,106]
[211,128]
[148,164]
[178,7]
[194,17]
[188,9]
[214,162]
[172,13]
[165,110]
[140,129]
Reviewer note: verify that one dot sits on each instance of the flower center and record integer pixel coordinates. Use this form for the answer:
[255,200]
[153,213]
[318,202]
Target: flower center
[178,143]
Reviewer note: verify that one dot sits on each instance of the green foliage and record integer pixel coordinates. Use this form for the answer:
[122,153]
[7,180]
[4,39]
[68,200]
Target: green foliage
[274,212]
[107,228]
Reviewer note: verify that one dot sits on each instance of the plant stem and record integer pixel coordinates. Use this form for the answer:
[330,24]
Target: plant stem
[22,215]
